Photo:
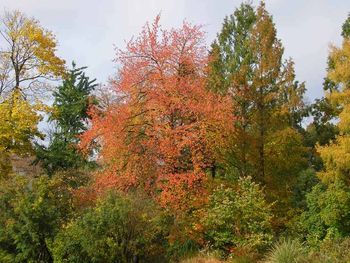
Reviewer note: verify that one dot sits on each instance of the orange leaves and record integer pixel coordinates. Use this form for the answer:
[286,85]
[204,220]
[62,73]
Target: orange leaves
[181,191]
[159,134]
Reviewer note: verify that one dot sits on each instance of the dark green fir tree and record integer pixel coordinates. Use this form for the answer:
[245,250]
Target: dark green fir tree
[70,118]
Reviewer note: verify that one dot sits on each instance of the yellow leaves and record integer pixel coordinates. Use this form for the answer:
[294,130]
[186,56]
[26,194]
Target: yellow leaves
[43,45]
[336,156]
[341,59]
[18,124]
[279,160]
[29,52]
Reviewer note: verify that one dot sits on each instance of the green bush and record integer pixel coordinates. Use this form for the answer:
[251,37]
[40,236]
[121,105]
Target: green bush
[32,210]
[238,218]
[328,213]
[118,229]
[332,251]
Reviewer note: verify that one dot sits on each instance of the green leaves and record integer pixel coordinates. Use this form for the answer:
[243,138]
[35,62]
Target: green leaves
[32,211]
[328,212]
[70,117]
[118,229]
[238,217]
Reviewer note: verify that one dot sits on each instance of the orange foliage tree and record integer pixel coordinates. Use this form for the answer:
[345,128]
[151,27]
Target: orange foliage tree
[161,133]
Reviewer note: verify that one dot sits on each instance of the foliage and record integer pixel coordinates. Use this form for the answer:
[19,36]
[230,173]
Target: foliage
[346,28]
[325,111]
[28,56]
[230,52]
[328,204]
[32,211]
[328,212]
[70,117]
[238,218]
[201,155]
[322,130]
[336,155]
[331,251]
[247,46]
[306,180]
[246,63]
[118,229]
[159,135]
[18,126]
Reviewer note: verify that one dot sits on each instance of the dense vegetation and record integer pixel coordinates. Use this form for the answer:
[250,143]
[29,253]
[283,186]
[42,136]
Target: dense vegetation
[189,154]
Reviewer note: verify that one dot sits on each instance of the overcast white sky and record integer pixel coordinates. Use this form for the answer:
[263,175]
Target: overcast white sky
[88,29]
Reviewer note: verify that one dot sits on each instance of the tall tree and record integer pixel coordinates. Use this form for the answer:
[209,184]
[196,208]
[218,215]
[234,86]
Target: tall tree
[159,135]
[328,203]
[246,62]
[28,55]
[336,156]
[229,73]
[70,118]
[323,129]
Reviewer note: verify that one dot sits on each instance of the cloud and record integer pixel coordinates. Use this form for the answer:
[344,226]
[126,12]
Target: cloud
[87,30]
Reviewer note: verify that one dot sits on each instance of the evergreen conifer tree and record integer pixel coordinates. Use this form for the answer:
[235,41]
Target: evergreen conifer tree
[70,117]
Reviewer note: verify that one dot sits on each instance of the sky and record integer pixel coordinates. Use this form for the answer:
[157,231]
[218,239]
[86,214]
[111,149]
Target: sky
[89,30]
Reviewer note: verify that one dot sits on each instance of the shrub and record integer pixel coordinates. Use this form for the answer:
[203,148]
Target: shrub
[328,213]
[31,213]
[238,219]
[332,251]
[118,229]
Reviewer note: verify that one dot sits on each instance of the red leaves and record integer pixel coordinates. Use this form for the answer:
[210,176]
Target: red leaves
[158,135]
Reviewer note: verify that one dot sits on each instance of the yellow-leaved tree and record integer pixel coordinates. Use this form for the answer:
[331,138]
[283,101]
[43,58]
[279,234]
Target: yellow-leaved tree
[18,126]
[336,155]
[27,55]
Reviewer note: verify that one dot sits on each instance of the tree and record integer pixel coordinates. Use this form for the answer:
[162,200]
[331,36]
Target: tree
[336,155]
[324,111]
[70,117]
[18,127]
[229,72]
[328,204]
[266,79]
[28,55]
[230,52]
[159,135]
[246,63]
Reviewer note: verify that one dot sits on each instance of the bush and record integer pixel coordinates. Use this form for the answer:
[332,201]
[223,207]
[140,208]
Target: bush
[328,213]
[332,251]
[238,219]
[287,251]
[118,229]
[31,213]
